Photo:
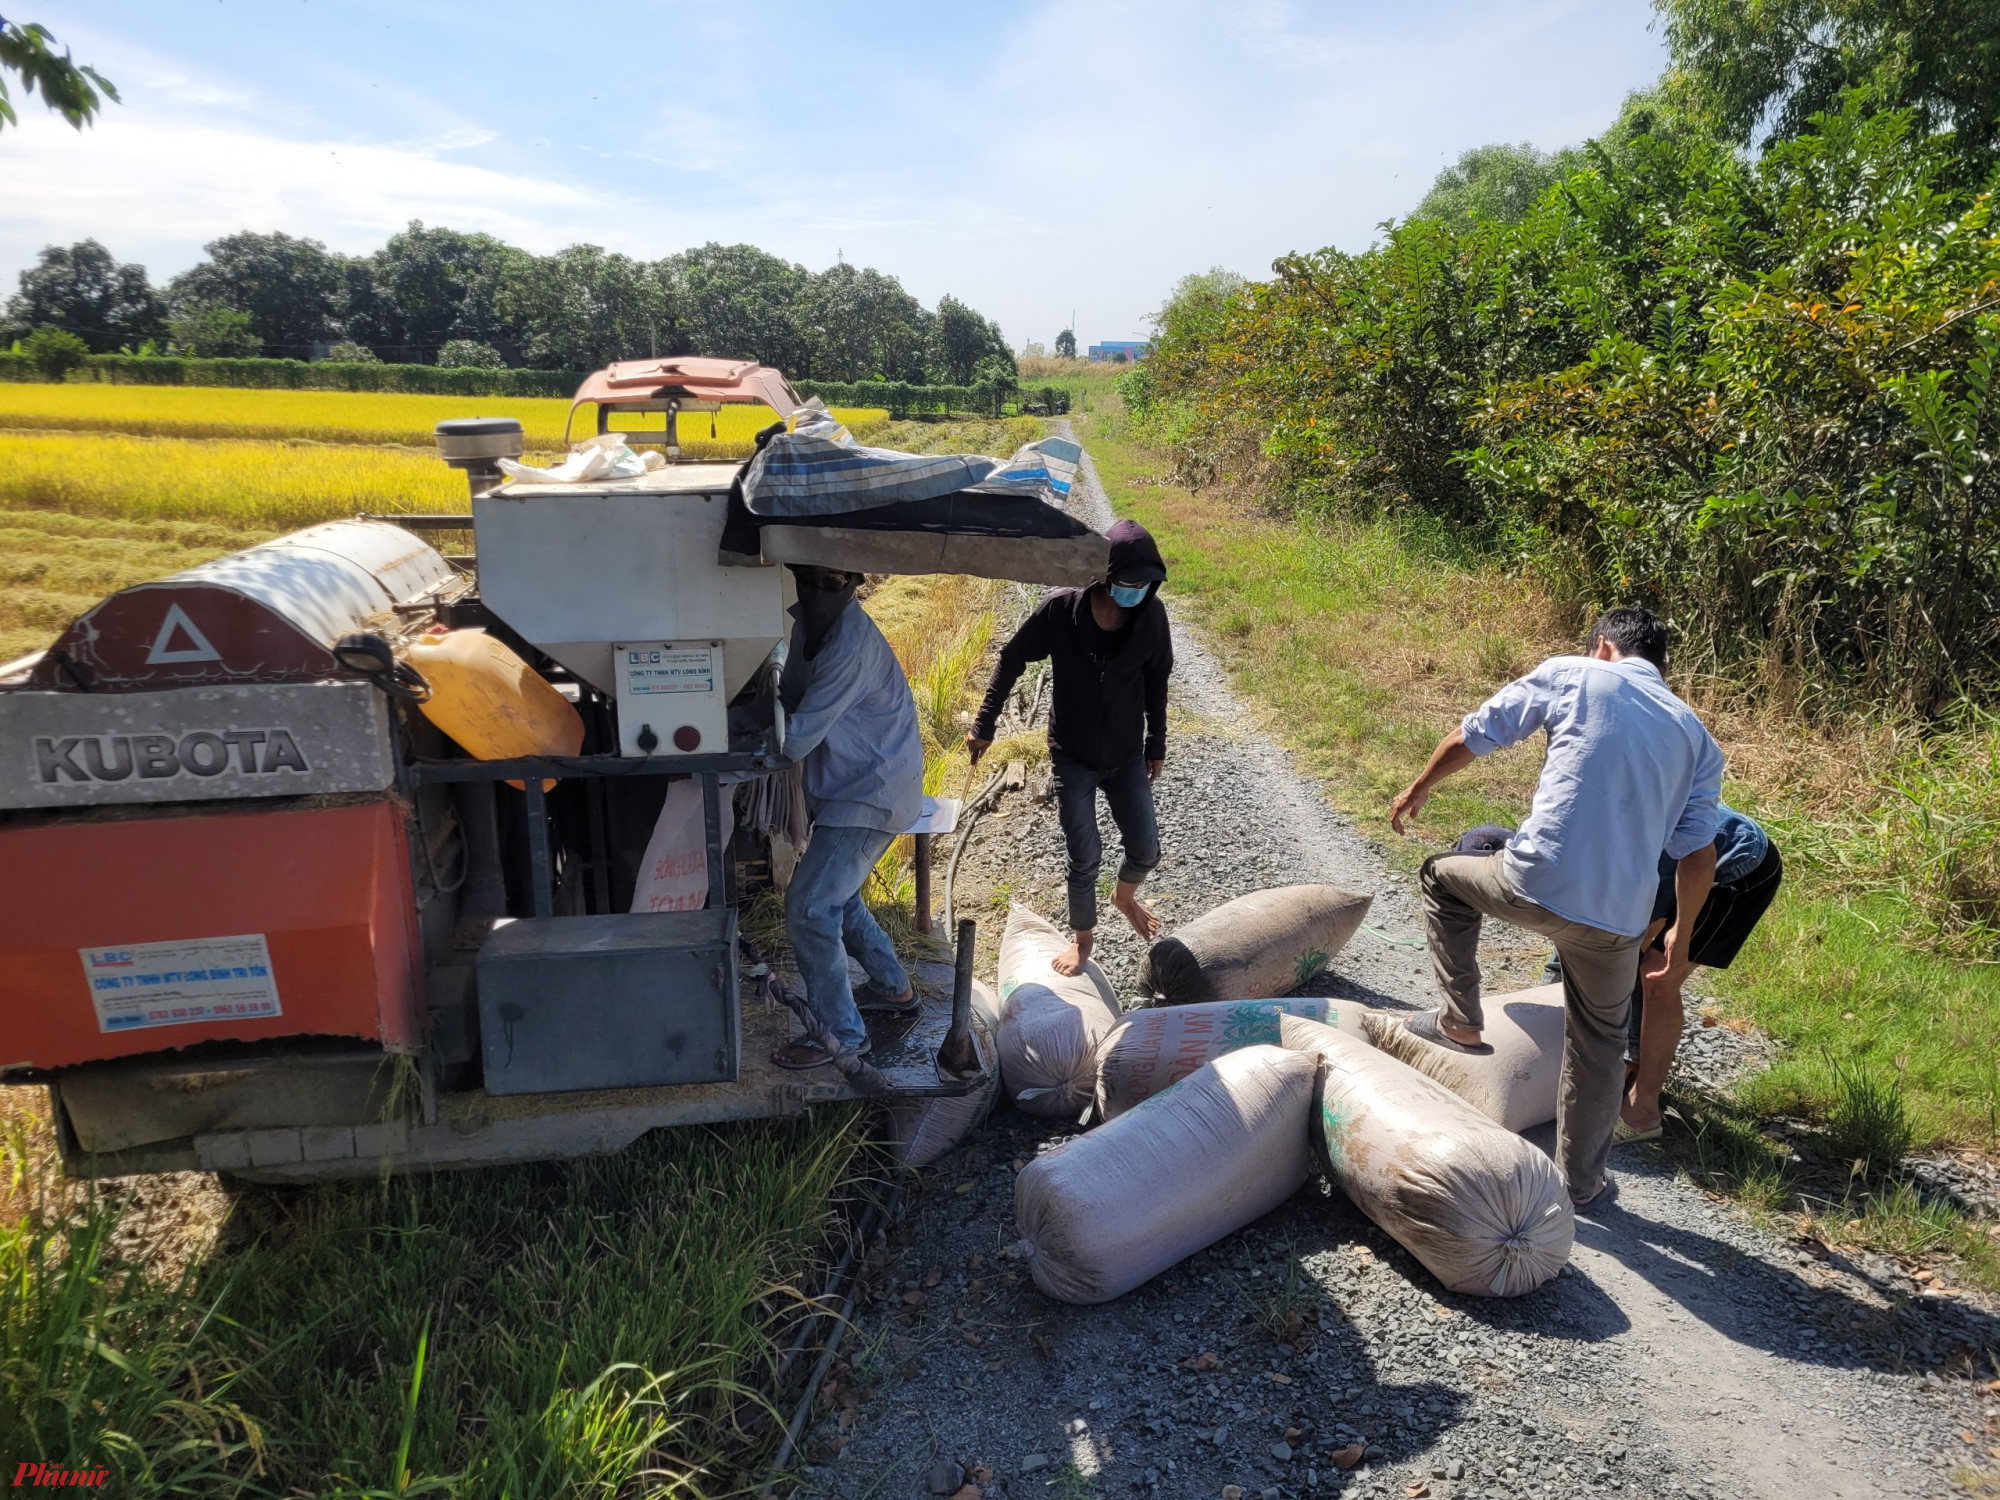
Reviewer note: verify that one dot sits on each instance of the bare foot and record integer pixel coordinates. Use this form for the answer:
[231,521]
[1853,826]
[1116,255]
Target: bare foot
[1143,921]
[1072,959]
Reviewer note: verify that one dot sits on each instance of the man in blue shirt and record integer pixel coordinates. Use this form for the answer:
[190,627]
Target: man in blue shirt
[851,720]
[1629,771]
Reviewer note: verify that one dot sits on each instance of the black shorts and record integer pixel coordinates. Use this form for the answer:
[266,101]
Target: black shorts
[1730,914]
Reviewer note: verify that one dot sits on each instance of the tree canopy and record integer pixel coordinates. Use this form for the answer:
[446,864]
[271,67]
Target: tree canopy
[84,290]
[1775,64]
[430,289]
[70,88]
[294,290]
[1758,392]
[1498,182]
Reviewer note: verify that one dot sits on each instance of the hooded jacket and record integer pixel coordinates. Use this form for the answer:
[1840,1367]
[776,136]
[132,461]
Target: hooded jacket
[1110,699]
[854,725]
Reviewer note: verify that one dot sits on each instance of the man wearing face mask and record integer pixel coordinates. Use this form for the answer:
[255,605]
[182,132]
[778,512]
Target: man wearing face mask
[850,719]
[1111,652]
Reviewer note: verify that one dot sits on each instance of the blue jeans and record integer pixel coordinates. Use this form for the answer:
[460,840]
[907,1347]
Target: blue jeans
[826,920]
[1129,794]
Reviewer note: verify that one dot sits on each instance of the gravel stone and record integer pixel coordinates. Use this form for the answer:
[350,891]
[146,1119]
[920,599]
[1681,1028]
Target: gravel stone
[1683,1352]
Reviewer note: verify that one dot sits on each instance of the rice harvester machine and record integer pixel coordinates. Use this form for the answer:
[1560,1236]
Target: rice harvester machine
[322,858]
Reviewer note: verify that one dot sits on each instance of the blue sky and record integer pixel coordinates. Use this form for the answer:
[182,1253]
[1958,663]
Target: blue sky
[1030,158]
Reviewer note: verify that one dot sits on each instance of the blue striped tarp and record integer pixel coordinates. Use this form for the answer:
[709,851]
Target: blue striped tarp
[819,470]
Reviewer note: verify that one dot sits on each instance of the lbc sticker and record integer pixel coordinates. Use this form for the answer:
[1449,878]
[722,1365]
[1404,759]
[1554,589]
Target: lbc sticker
[649,671]
[173,984]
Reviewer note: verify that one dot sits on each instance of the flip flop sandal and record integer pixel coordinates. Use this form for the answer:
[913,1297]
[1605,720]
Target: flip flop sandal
[1424,1024]
[1598,1199]
[874,1000]
[801,1056]
[1624,1135]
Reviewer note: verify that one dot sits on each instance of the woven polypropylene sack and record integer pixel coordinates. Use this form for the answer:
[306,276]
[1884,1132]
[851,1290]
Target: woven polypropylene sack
[1485,1212]
[1155,1048]
[1265,943]
[1515,1083]
[1050,1024]
[1110,1209]
[922,1130]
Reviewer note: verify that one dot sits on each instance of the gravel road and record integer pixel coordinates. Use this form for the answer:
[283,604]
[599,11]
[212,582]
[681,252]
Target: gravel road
[1682,1352]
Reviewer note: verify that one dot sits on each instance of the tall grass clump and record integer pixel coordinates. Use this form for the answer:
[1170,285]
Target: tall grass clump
[591,1328]
[1869,1124]
[102,1363]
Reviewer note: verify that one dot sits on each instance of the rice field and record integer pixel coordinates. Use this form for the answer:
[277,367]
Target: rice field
[54,566]
[351,417]
[250,483]
[84,512]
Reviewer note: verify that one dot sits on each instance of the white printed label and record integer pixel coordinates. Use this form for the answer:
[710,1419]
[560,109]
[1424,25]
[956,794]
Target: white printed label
[171,984]
[649,671]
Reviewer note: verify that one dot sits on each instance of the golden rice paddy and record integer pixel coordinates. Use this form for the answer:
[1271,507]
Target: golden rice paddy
[102,486]
[349,417]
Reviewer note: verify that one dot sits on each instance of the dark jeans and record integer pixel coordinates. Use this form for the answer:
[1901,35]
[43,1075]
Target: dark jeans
[1129,795]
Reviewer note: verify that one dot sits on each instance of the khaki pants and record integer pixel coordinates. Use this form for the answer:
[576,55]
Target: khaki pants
[1599,969]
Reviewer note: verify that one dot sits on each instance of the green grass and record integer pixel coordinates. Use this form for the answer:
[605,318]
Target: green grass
[1828,977]
[1358,643]
[578,1329]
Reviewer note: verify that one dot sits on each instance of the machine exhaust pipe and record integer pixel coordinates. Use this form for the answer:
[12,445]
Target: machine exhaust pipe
[957,1053]
[476,445]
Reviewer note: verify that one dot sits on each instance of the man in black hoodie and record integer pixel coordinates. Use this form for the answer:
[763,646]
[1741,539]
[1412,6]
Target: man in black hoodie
[1110,651]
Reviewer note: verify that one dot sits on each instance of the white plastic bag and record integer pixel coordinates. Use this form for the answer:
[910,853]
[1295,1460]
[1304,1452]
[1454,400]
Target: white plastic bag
[922,1130]
[1050,1024]
[1153,1049]
[1110,1209]
[1487,1213]
[673,875]
[606,456]
[1265,943]
[1516,1082]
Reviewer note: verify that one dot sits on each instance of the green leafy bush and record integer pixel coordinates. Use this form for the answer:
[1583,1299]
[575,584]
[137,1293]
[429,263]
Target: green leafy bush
[298,375]
[53,352]
[213,333]
[469,354]
[1756,395]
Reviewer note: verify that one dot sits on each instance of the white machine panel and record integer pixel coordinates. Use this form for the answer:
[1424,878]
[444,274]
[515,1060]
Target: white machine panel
[576,568]
[673,691]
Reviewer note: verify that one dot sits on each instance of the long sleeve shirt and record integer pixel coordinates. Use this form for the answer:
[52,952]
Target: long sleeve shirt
[1630,772]
[855,727]
[1110,699]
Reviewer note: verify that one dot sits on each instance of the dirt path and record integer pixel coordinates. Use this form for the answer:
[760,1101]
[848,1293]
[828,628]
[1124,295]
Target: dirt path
[1682,1352]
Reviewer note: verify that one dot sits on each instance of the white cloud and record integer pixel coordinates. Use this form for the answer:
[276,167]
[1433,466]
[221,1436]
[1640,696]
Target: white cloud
[155,191]
[1084,154]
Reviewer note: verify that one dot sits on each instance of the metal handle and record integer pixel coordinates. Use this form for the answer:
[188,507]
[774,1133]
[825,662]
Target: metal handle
[957,1052]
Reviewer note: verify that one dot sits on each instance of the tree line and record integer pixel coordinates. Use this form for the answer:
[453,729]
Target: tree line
[435,295]
[1738,358]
